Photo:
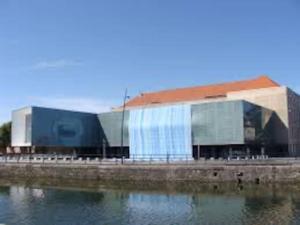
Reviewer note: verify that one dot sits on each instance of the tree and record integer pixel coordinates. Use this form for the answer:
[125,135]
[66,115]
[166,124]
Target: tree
[5,135]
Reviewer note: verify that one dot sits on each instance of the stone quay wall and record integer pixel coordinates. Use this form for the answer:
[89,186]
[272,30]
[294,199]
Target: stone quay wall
[203,173]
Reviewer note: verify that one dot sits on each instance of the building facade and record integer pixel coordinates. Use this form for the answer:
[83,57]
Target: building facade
[237,119]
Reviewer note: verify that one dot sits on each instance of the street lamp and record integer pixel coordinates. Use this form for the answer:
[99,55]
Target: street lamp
[122,124]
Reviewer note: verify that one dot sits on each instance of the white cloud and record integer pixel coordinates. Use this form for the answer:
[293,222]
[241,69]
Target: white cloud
[55,64]
[77,104]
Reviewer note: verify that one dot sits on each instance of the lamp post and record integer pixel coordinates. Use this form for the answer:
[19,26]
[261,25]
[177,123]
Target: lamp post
[122,125]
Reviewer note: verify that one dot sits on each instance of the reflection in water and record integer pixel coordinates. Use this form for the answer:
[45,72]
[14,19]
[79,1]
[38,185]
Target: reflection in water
[4,190]
[192,204]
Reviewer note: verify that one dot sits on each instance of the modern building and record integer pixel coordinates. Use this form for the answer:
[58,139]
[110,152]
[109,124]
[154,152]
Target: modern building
[244,118]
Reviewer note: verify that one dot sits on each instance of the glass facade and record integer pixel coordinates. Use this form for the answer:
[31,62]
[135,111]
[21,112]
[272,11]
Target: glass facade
[110,125]
[161,132]
[158,130]
[217,123]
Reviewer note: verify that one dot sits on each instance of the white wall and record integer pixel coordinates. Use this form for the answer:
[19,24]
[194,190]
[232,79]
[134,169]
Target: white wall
[19,127]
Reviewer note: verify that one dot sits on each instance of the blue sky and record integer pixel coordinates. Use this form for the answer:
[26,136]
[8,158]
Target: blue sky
[82,54]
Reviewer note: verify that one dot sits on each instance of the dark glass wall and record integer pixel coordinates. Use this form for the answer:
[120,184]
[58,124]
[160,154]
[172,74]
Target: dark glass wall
[57,128]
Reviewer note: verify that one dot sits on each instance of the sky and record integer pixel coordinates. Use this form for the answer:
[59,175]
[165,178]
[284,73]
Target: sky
[83,54]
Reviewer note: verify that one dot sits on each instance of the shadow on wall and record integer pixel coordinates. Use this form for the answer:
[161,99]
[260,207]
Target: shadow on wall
[107,151]
[104,141]
[275,136]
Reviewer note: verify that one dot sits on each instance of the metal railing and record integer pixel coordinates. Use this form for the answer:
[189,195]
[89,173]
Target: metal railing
[93,159]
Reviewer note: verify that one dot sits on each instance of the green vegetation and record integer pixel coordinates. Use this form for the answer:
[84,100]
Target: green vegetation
[5,134]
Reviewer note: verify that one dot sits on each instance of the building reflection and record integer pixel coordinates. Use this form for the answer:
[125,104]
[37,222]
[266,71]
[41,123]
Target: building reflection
[249,206]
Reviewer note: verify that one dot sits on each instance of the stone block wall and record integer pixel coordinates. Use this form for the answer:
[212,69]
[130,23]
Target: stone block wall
[199,173]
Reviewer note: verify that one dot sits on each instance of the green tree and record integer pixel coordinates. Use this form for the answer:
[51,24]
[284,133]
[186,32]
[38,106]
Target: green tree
[5,134]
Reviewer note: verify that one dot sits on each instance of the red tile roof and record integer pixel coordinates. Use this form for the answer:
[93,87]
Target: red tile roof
[200,92]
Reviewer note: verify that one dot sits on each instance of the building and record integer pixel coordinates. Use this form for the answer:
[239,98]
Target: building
[244,118]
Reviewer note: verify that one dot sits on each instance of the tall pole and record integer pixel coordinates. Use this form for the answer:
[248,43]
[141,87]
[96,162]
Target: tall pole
[122,125]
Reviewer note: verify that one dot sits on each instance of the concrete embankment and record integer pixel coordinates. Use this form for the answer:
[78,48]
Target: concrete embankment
[203,173]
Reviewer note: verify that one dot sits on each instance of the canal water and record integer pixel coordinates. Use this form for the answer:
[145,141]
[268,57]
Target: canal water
[143,204]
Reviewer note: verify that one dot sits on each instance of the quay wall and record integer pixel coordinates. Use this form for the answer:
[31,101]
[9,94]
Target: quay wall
[195,172]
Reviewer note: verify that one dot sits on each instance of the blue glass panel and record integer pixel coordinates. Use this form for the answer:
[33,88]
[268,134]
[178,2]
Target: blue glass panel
[161,132]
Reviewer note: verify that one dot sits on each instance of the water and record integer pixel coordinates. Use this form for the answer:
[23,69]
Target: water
[143,204]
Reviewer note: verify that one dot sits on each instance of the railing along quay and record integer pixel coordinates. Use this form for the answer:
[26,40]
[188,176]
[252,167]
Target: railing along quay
[143,160]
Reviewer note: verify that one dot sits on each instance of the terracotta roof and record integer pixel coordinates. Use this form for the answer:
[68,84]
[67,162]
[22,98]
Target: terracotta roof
[200,92]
